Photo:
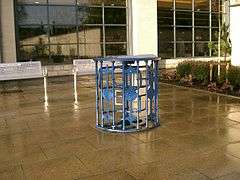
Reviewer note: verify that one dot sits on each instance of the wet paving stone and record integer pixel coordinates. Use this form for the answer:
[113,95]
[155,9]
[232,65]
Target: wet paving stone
[199,137]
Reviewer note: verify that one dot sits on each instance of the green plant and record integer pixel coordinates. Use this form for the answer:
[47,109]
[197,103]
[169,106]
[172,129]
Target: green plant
[184,69]
[200,71]
[225,42]
[39,50]
[219,80]
[234,76]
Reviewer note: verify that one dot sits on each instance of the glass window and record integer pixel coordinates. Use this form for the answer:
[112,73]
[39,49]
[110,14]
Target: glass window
[31,34]
[89,15]
[63,34]
[165,17]
[165,33]
[32,2]
[116,49]
[216,6]
[184,49]
[201,34]
[201,49]
[56,31]
[62,15]
[165,4]
[89,2]
[31,14]
[116,34]
[201,19]
[201,5]
[166,50]
[63,53]
[184,12]
[215,32]
[184,4]
[115,16]
[215,19]
[90,50]
[115,2]
[62,2]
[35,53]
[91,34]
[184,34]
[184,18]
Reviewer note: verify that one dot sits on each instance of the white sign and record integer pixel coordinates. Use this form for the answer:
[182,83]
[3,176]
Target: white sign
[23,70]
[84,66]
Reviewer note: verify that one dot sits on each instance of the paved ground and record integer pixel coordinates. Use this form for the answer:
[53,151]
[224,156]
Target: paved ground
[199,138]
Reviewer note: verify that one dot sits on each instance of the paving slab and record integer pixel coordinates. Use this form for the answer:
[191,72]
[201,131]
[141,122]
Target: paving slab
[198,138]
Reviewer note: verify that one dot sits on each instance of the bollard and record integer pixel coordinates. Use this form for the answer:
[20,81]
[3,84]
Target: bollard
[75,84]
[45,74]
[211,72]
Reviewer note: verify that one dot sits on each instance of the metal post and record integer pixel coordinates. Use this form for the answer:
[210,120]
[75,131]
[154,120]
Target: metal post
[138,100]
[156,91]
[97,98]
[113,91]
[75,84]
[123,95]
[101,90]
[193,29]
[147,78]
[107,88]
[174,30]
[151,79]
[45,73]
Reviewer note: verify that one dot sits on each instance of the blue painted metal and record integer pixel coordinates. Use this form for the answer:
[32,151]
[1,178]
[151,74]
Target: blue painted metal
[101,91]
[113,90]
[97,93]
[132,117]
[156,91]
[123,95]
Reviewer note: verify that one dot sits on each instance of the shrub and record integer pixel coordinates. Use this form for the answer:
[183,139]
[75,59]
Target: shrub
[184,69]
[234,76]
[222,74]
[200,71]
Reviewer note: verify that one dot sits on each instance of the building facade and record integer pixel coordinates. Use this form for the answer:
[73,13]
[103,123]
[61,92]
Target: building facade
[58,31]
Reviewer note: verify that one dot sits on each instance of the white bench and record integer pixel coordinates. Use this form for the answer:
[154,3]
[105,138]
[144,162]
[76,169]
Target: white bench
[24,70]
[82,67]
[85,67]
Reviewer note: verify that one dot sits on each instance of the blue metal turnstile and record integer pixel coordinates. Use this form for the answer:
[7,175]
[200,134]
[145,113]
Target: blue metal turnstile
[127,93]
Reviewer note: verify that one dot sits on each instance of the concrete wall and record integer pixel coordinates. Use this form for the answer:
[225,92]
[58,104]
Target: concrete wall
[144,35]
[235,31]
[8,31]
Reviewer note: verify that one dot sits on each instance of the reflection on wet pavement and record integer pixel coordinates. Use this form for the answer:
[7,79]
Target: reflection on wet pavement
[199,137]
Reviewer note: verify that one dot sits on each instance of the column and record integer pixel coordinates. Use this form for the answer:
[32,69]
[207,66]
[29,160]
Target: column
[8,43]
[143,27]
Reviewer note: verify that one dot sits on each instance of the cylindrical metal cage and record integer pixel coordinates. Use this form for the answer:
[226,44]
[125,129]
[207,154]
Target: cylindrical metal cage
[127,93]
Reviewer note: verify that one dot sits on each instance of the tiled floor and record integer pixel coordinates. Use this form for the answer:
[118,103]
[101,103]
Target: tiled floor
[199,137]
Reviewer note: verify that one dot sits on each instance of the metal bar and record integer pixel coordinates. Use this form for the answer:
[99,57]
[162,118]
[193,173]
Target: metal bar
[101,90]
[104,32]
[75,84]
[156,92]
[45,84]
[138,98]
[123,95]
[174,30]
[147,78]
[107,88]
[210,25]
[193,29]
[97,94]
[113,91]
[151,86]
